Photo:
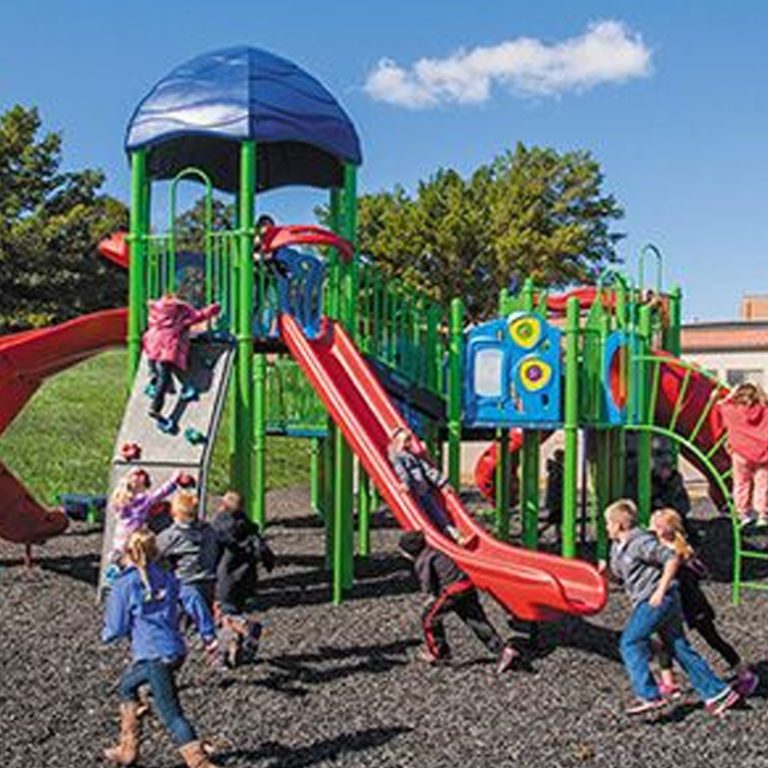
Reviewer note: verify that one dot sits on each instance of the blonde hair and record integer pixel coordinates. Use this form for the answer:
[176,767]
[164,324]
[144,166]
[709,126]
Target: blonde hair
[141,550]
[184,506]
[749,393]
[123,493]
[671,520]
[623,511]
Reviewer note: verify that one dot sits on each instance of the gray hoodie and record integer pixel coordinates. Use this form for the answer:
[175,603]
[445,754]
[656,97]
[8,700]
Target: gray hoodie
[192,549]
[638,562]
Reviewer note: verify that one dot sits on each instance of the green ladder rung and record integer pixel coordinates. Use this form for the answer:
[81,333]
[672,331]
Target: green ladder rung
[719,443]
[755,585]
[754,554]
[680,398]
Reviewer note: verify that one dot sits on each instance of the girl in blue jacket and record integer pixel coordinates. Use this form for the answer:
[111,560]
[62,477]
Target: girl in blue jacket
[143,606]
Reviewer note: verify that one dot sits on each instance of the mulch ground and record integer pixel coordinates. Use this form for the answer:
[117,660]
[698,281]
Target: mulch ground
[340,685]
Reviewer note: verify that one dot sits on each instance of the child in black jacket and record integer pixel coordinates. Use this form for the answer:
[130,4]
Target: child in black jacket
[450,591]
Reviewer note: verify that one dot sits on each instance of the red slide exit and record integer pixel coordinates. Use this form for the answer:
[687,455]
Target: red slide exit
[533,586]
[25,360]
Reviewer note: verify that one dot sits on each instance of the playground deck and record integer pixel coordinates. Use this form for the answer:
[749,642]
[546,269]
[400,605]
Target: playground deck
[338,686]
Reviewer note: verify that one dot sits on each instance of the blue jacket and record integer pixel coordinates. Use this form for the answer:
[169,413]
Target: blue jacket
[151,622]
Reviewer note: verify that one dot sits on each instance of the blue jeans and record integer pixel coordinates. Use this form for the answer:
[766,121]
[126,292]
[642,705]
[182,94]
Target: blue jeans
[431,505]
[159,675]
[635,647]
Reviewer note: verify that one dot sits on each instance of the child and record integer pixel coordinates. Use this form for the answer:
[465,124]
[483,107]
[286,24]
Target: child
[697,610]
[668,488]
[131,503]
[190,546]
[242,549]
[745,416]
[647,569]
[450,591]
[142,606]
[421,478]
[554,493]
[166,344]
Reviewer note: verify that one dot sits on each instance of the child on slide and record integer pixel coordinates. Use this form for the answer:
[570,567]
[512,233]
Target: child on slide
[698,612]
[423,479]
[166,344]
[143,607]
[745,416]
[131,503]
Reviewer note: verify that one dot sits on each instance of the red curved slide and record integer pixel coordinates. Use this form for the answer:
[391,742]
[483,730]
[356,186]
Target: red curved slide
[25,360]
[533,586]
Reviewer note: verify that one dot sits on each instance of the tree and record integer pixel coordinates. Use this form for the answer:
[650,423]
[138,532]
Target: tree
[50,224]
[192,224]
[531,212]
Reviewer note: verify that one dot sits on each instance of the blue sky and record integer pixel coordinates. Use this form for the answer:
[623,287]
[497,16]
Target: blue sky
[682,142]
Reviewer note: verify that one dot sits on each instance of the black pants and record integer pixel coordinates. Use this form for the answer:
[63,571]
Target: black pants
[464,602]
[709,633]
[162,374]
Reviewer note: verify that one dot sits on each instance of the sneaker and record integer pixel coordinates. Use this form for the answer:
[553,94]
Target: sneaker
[425,655]
[507,658]
[643,706]
[164,424]
[722,702]
[762,521]
[670,692]
[155,414]
[746,520]
[746,684]
[188,393]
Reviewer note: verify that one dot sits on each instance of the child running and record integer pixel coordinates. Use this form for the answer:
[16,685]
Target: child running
[166,344]
[648,569]
[131,503]
[190,546]
[142,606]
[697,610]
[745,416]
[449,590]
[242,550]
[421,478]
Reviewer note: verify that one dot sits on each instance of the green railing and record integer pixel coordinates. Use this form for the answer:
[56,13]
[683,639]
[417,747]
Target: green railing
[293,407]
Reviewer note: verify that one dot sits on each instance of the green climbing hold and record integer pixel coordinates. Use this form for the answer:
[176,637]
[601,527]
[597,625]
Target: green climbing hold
[194,436]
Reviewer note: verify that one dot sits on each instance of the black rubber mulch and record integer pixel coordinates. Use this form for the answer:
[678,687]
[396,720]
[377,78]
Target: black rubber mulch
[340,685]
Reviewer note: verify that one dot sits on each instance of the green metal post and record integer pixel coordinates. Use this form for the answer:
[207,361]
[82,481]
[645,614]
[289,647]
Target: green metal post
[603,489]
[643,436]
[529,470]
[138,232]
[244,405]
[571,427]
[455,383]
[502,484]
[363,512]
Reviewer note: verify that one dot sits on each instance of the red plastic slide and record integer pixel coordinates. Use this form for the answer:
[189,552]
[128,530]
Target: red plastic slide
[531,585]
[25,360]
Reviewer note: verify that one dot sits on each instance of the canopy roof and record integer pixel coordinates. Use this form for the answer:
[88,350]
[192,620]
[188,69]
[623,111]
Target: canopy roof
[199,114]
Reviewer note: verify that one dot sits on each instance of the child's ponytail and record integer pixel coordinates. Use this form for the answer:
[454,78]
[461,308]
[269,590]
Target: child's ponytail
[670,520]
[142,550]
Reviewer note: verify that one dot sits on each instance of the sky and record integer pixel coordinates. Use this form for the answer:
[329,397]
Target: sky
[670,98]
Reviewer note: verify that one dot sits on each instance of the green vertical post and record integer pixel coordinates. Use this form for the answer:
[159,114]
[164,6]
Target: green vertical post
[136,268]
[363,512]
[529,469]
[644,459]
[315,489]
[502,484]
[244,375]
[455,384]
[260,440]
[602,477]
[234,282]
[571,427]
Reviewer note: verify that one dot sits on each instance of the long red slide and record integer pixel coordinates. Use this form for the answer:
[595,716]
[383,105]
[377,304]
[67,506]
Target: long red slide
[532,586]
[26,359]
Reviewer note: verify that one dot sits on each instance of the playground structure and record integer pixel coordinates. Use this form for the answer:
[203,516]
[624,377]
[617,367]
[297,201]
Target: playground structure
[338,353]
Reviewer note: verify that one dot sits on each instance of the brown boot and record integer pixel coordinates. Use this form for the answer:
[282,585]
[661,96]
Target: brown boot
[195,755]
[127,750]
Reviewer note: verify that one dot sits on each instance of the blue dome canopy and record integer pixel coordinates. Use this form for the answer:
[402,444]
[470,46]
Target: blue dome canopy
[199,114]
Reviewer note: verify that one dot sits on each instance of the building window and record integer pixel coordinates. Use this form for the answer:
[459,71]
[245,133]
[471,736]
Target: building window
[736,376]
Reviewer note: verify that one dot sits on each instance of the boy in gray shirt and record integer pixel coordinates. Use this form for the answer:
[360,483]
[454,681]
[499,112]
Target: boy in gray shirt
[647,569]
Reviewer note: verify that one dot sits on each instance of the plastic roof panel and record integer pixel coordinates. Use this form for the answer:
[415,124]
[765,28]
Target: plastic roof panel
[202,110]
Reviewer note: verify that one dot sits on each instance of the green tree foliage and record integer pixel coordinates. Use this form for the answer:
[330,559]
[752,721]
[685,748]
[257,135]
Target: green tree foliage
[531,212]
[50,224]
[192,224]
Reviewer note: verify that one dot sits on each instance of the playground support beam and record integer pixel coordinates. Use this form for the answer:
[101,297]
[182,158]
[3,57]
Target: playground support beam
[315,479]
[571,427]
[644,437]
[139,228]
[244,374]
[455,383]
[529,455]
[502,484]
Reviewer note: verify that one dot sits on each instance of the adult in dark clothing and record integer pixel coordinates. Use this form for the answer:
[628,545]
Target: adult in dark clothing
[668,488]
[450,590]
[554,493]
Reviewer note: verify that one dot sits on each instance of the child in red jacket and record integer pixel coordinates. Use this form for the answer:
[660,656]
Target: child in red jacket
[166,343]
[745,416]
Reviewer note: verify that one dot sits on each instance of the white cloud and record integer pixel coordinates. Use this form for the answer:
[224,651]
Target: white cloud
[608,52]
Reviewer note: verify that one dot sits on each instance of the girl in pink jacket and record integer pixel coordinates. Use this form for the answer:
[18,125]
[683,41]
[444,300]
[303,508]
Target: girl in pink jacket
[166,343]
[745,416]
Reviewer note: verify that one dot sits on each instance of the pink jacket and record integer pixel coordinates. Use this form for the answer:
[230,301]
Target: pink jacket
[167,337]
[747,427]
